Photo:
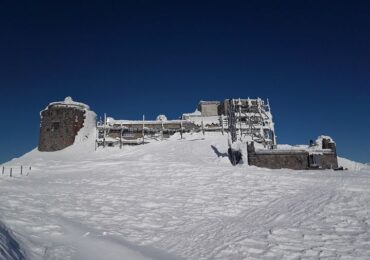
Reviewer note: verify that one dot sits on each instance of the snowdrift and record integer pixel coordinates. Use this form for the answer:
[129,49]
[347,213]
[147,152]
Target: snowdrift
[352,165]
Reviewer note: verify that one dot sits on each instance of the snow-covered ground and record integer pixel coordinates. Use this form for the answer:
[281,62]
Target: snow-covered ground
[181,199]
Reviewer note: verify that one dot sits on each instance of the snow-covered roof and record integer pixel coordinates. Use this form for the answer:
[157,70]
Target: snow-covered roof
[208,120]
[316,148]
[68,101]
[151,122]
[196,113]
[209,102]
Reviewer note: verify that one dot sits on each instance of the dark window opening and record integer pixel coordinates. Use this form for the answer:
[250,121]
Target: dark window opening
[314,160]
[55,126]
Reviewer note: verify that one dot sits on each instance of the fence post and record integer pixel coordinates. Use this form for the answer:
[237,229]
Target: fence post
[202,126]
[3,170]
[181,130]
[11,170]
[21,169]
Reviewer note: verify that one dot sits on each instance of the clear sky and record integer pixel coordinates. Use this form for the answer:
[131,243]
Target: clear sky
[128,58]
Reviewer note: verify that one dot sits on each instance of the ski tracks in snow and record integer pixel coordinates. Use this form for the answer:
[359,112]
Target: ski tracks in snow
[256,232]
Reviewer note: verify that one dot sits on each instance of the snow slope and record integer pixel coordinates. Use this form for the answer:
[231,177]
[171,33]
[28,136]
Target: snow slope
[181,199]
[352,165]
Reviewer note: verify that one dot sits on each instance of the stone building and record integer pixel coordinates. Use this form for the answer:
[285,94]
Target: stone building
[60,124]
[321,155]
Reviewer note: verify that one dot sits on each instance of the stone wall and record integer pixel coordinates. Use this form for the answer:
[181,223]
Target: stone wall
[329,160]
[59,127]
[297,160]
[293,159]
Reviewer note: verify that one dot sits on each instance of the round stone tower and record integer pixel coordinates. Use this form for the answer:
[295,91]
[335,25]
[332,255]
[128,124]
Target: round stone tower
[61,122]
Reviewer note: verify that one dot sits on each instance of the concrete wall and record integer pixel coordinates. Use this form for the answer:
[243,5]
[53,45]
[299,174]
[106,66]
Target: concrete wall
[59,127]
[209,109]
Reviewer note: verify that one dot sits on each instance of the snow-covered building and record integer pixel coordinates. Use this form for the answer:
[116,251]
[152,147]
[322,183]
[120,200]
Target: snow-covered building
[209,108]
[253,118]
[112,131]
[248,121]
[61,122]
[321,154]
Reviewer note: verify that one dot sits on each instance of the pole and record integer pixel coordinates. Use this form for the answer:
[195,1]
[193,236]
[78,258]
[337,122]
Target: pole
[162,129]
[240,119]
[21,170]
[96,134]
[143,128]
[202,126]
[181,128]
[231,119]
[120,138]
[11,170]
[222,124]
[105,125]
[3,170]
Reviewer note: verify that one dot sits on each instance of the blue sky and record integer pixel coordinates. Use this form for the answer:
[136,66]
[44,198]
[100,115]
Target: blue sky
[310,58]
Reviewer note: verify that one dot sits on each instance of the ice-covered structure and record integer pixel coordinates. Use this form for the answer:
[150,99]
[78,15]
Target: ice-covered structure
[253,118]
[248,121]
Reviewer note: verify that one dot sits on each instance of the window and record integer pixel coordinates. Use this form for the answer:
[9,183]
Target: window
[55,126]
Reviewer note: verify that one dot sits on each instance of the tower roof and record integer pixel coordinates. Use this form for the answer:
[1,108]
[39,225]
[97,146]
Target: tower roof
[68,102]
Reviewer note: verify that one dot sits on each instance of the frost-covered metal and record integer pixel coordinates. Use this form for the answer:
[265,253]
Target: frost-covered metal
[252,121]
[253,118]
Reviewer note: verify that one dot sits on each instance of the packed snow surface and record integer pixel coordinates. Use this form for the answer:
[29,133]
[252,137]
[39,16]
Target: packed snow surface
[181,199]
